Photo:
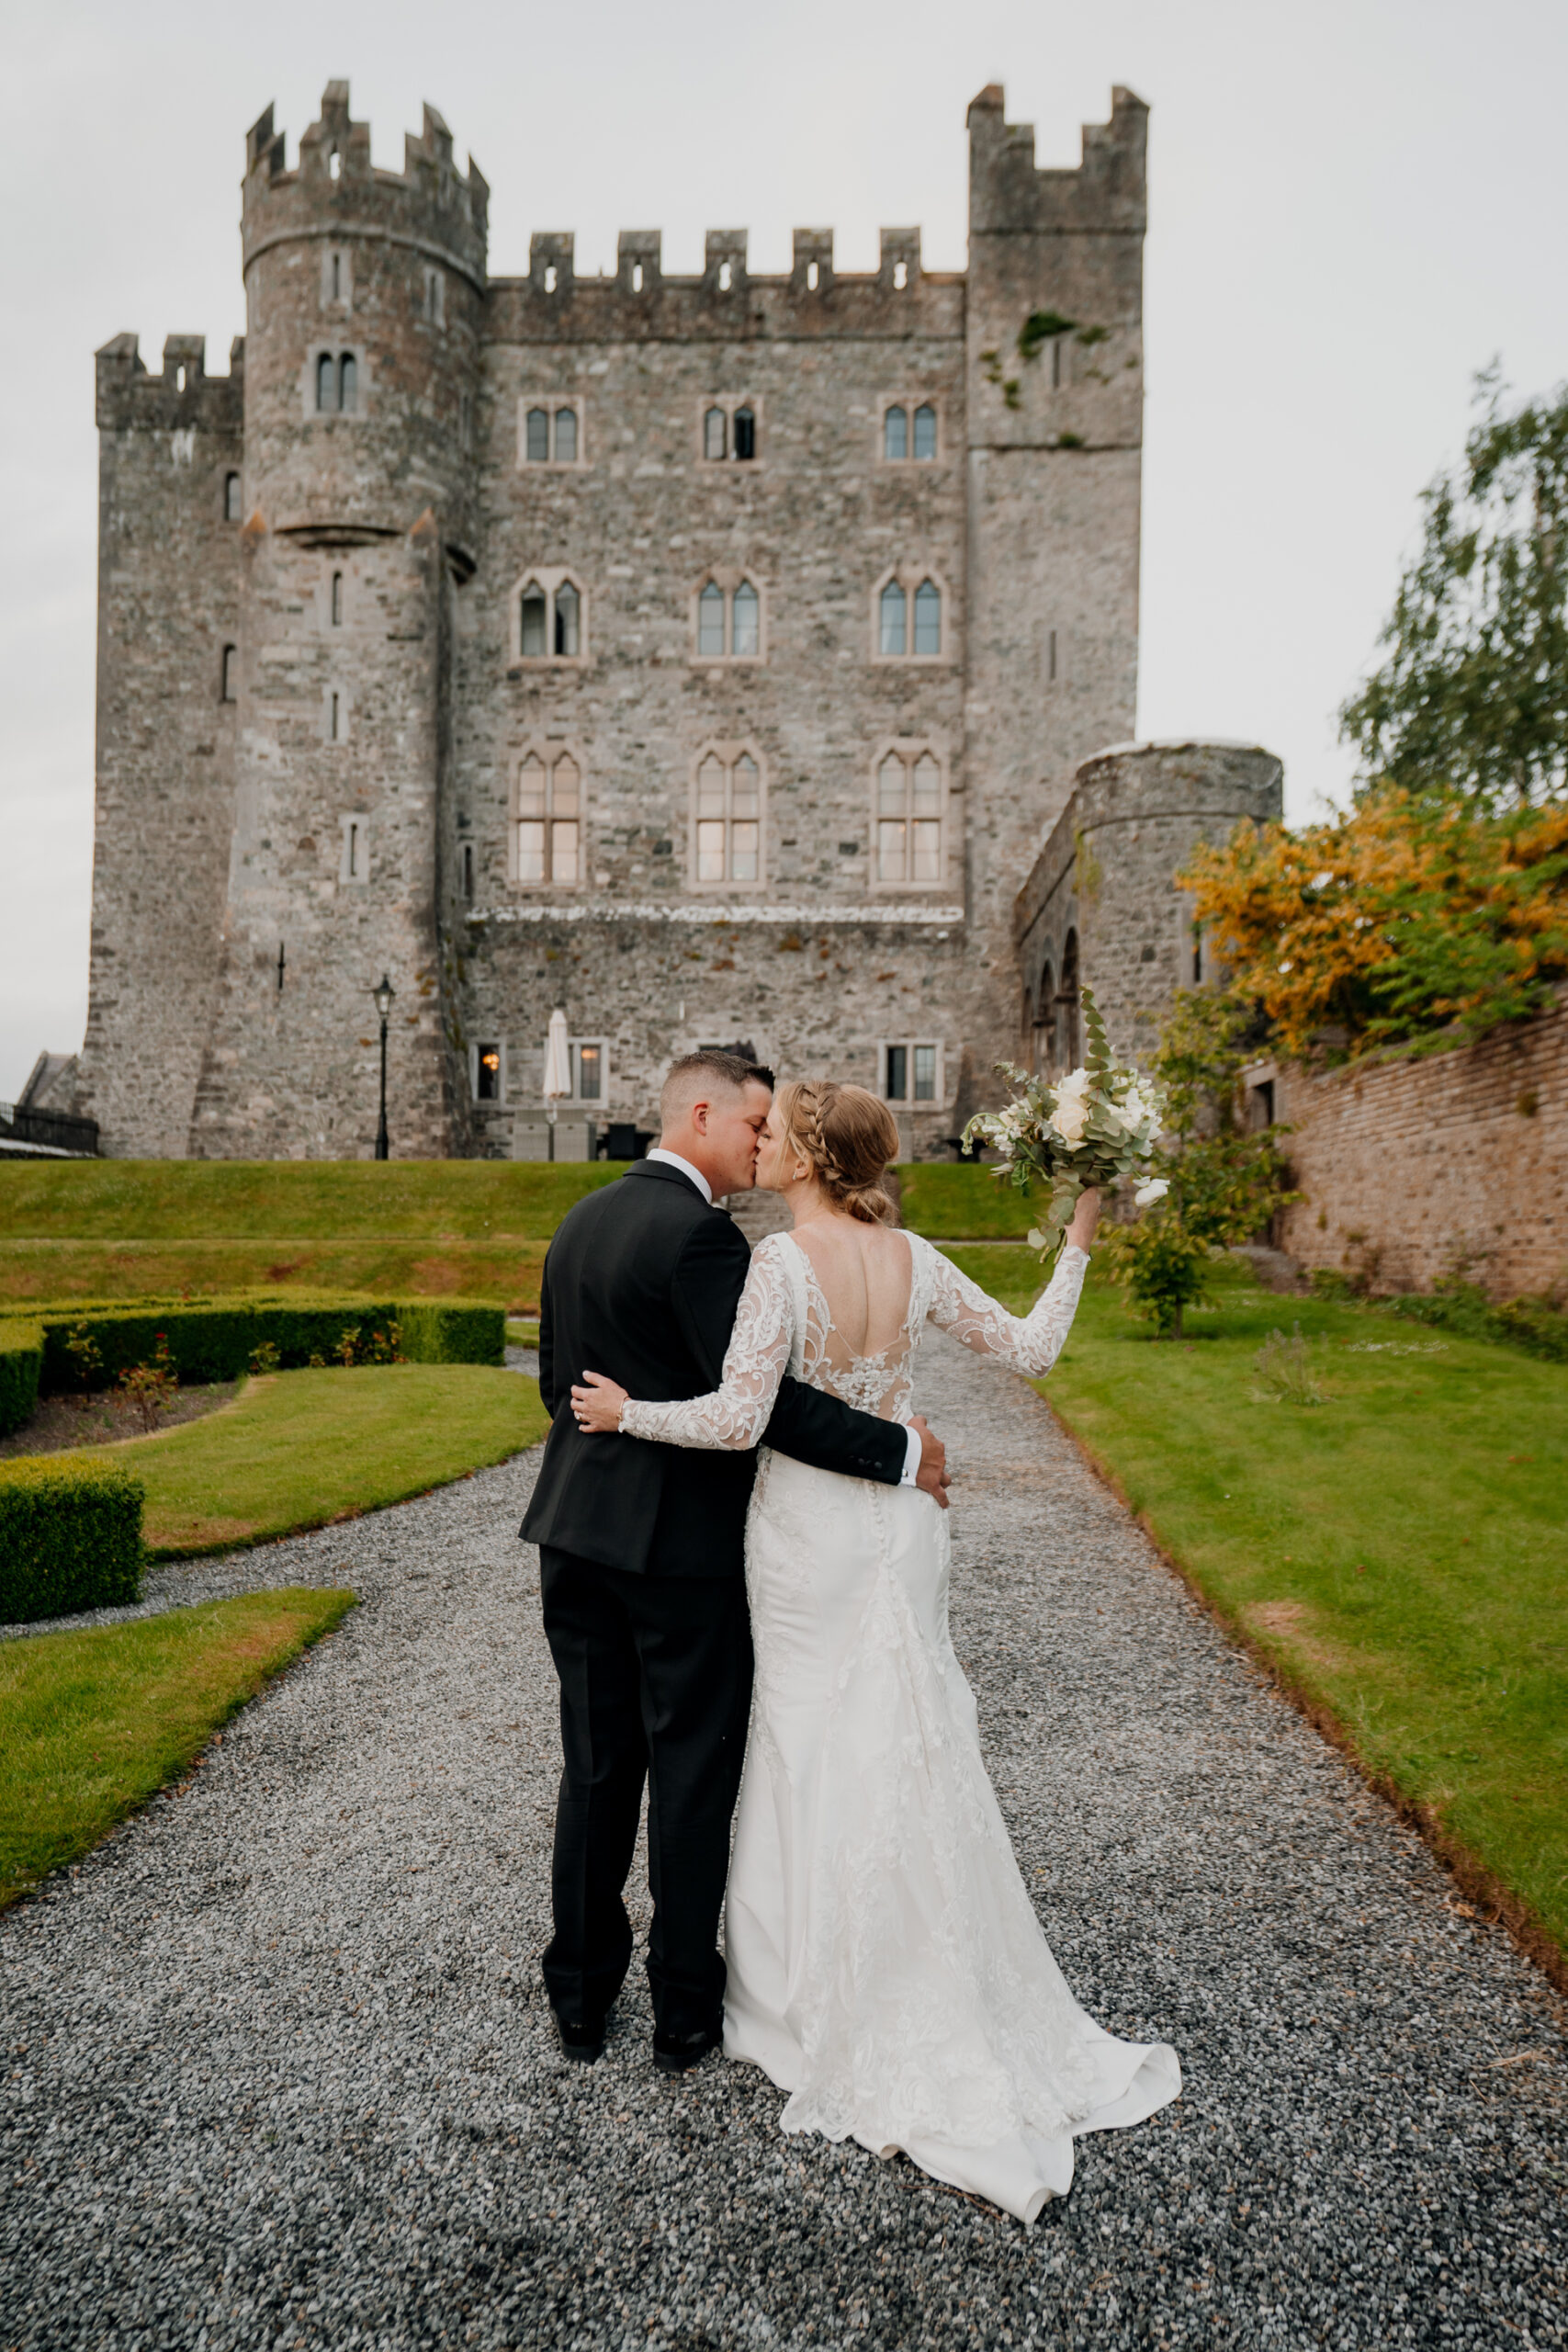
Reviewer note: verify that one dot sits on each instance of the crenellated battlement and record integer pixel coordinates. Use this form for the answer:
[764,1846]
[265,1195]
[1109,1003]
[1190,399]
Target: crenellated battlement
[335,189]
[725,301]
[1107,192]
[183,395]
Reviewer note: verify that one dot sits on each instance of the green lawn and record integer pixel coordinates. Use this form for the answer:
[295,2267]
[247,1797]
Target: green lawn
[146,1228]
[92,1724]
[1399,1553]
[278,1199]
[301,1449]
[47,1273]
[961,1200]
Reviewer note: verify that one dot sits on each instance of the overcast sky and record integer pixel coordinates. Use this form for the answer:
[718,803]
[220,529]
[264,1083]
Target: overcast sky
[1354,206]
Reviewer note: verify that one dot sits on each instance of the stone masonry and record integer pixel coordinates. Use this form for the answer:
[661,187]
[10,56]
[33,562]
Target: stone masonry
[1100,908]
[433,635]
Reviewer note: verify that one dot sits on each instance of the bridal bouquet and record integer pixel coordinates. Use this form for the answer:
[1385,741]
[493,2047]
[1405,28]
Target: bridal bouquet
[1097,1126]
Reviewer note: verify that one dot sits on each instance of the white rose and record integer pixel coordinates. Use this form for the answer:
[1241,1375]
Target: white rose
[1148,1194]
[1070,1117]
[1077,1083]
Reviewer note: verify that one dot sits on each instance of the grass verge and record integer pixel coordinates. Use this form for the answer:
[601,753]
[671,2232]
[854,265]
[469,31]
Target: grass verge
[92,1724]
[1398,1554]
[302,1449]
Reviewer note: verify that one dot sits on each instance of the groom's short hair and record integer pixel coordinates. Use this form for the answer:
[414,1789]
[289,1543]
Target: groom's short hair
[696,1075]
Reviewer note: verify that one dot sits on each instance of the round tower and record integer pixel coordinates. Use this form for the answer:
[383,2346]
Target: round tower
[1102,908]
[365,301]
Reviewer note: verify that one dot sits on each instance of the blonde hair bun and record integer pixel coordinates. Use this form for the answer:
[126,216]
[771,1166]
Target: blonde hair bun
[848,1137]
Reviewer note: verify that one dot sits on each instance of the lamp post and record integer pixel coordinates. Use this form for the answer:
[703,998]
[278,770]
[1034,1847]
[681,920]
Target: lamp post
[383,1001]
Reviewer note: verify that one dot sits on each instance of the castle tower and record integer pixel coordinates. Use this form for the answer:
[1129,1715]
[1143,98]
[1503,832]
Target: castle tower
[365,306]
[170,459]
[1102,907]
[1054,363]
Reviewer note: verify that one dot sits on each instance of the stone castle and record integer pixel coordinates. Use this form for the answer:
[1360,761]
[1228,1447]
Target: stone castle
[711,658]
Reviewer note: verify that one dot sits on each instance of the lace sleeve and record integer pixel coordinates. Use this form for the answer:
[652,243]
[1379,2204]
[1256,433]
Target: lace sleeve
[1028,1342]
[734,1415]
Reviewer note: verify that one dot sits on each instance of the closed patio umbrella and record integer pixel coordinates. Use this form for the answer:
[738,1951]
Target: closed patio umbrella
[558,1071]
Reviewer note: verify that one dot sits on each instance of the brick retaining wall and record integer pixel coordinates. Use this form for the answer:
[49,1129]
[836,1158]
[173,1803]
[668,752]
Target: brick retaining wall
[1409,1166]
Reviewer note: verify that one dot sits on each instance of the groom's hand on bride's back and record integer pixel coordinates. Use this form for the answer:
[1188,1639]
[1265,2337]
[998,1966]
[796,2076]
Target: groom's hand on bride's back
[932,1476]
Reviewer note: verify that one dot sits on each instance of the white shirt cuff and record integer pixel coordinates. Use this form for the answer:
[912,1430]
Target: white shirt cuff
[912,1459]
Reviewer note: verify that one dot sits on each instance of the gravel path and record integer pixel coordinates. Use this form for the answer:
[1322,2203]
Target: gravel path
[279,2067]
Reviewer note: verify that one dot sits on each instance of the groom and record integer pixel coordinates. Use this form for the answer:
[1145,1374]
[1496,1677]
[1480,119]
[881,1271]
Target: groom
[641,1559]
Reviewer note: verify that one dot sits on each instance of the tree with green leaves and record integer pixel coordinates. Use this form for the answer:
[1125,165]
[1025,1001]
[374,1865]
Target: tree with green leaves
[1472,702]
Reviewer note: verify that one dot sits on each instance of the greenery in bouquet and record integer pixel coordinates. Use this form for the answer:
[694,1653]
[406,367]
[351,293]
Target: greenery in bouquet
[1097,1126]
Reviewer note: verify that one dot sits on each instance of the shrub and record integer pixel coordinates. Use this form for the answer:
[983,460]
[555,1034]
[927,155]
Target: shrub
[220,1338]
[21,1362]
[1537,1325]
[152,1388]
[69,1538]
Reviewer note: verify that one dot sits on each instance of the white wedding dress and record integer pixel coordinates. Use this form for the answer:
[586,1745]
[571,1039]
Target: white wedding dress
[885,1966]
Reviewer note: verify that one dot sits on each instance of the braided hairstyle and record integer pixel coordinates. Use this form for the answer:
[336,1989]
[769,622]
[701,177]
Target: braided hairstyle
[848,1137]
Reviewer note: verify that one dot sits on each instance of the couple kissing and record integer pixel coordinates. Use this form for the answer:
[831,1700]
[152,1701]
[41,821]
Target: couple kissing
[744,1565]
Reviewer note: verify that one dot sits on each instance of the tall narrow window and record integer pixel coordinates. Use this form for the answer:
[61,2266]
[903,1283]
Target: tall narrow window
[710,621]
[467,872]
[536,608]
[925,432]
[566,437]
[337,600]
[536,436]
[348,383]
[230,673]
[335,719]
[745,433]
[337,278]
[909,819]
[435,298]
[898,1082]
[715,433]
[568,606]
[928,618]
[549,820]
[728,819]
[231,498]
[488,1088]
[745,635]
[334,165]
[326,383]
[588,1070]
[894,613]
[895,433]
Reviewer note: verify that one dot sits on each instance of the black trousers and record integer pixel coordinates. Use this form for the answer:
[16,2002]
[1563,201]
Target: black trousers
[655,1686]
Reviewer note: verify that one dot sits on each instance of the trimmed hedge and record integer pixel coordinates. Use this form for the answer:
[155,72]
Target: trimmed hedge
[215,1339]
[69,1538]
[21,1362]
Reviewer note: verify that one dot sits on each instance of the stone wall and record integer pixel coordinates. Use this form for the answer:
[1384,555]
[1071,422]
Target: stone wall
[1414,1168]
[1101,907]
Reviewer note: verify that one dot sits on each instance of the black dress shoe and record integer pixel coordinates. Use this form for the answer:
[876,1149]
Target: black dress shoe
[674,2053]
[582,2040]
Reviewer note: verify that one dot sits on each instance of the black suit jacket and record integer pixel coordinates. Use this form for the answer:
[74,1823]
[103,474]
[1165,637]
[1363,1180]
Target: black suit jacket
[641,1282]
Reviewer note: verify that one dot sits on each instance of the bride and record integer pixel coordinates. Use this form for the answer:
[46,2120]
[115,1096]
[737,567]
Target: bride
[886,1967]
